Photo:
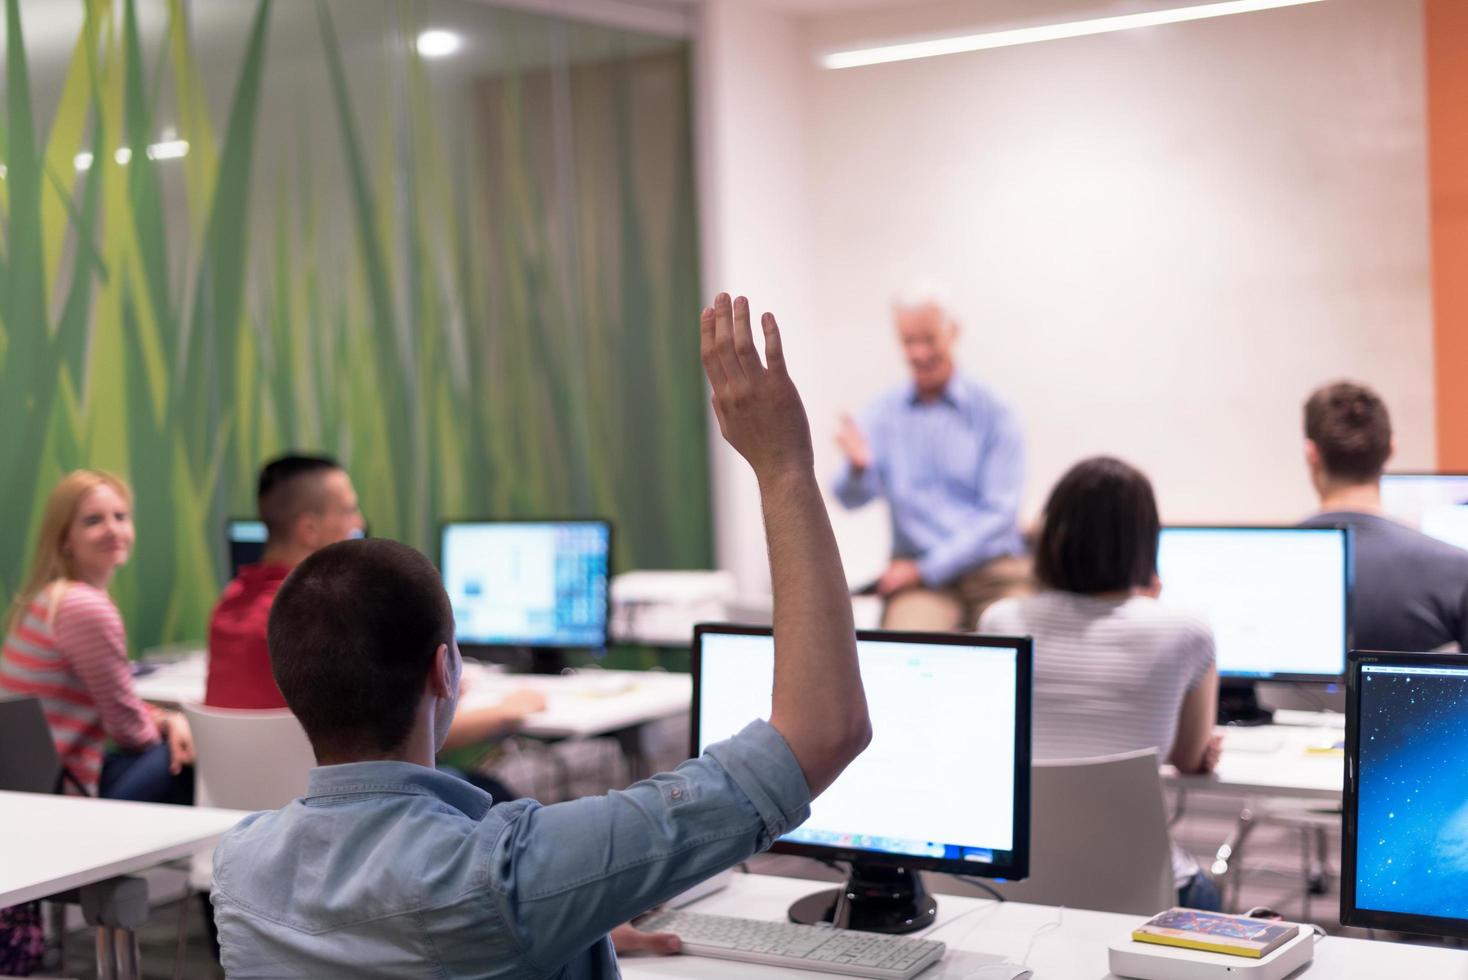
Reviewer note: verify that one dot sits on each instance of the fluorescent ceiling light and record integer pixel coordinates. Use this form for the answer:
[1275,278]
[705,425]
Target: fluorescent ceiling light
[438,44]
[123,155]
[82,161]
[168,150]
[910,50]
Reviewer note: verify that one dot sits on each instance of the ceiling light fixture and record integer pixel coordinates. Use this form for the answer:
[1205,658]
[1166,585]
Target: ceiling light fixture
[909,50]
[438,44]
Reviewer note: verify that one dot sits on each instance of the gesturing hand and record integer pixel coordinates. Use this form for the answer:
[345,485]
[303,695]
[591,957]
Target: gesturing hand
[849,437]
[758,408]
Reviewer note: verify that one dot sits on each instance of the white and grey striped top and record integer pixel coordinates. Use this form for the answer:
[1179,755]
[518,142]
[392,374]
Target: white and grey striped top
[1110,674]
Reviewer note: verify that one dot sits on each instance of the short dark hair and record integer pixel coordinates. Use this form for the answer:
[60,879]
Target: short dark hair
[289,486]
[1351,429]
[353,632]
[1100,528]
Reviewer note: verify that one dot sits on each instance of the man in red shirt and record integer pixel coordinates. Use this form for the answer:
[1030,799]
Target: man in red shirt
[306,503]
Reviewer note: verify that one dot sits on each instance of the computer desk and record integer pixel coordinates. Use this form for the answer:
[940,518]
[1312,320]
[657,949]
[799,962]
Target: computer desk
[587,704]
[1299,756]
[1291,771]
[1068,944]
[53,844]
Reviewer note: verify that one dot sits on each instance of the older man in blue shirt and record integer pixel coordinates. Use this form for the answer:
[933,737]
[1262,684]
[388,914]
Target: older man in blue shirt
[387,868]
[949,458]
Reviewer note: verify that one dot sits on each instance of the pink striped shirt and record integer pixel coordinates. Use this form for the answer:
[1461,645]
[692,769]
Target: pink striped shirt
[75,660]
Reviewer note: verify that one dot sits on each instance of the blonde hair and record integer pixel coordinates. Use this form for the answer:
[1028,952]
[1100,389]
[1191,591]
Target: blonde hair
[51,563]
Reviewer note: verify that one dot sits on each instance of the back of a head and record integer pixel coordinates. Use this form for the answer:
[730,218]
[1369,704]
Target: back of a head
[353,633]
[1100,529]
[289,485]
[1351,429]
[50,561]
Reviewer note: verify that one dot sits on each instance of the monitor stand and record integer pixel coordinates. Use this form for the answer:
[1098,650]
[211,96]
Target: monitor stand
[521,660]
[1238,704]
[876,898]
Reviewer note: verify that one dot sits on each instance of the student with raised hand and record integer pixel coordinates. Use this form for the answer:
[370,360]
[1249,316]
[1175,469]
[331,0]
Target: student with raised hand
[387,868]
[1116,670]
[1410,591]
[65,643]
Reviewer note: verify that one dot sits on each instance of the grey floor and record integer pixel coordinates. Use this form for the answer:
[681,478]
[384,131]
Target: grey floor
[1272,866]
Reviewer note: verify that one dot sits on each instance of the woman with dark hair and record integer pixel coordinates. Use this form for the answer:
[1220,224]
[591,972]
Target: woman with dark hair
[1115,669]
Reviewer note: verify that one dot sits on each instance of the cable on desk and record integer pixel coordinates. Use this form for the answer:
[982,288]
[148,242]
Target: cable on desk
[973,881]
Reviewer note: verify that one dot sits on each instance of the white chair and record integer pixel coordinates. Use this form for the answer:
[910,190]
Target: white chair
[246,760]
[1098,836]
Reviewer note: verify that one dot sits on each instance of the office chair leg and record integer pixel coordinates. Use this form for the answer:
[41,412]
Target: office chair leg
[1307,853]
[106,953]
[1227,868]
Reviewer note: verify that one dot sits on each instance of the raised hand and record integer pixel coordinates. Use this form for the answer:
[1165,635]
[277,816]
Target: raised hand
[759,411]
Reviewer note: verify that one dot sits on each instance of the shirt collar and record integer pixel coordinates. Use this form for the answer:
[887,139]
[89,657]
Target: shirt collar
[386,777]
[955,394]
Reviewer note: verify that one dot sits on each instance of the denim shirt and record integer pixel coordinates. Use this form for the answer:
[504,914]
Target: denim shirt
[389,869]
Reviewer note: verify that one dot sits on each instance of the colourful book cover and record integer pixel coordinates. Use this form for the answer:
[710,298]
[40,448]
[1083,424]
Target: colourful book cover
[1214,932]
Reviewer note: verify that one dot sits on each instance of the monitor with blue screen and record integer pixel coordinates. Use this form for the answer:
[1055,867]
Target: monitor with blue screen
[528,583]
[1404,853]
[944,785]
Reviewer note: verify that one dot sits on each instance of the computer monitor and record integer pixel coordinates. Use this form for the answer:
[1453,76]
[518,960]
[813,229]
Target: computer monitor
[1404,841]
[1434,503]
[944,785]
[532,584]
[1277,599]
[245,538]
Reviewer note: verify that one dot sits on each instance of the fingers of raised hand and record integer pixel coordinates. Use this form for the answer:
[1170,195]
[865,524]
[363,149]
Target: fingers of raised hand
[724,338]
[707,331]
[744,340]
[774,347]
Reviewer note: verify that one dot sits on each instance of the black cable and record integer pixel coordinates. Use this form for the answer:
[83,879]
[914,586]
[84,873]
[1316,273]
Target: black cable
[981,885]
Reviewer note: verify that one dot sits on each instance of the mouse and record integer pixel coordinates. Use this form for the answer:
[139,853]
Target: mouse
[1000,971]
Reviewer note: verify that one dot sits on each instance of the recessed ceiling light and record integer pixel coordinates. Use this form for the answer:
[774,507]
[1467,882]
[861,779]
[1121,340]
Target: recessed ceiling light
[909,50]
[438,44]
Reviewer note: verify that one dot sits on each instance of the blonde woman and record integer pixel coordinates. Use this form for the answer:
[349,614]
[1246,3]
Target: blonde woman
[65,643]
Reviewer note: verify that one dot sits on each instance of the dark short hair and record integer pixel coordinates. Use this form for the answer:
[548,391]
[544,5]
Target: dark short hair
[353,632]
[289,486]
[1351,429]
[1100,529]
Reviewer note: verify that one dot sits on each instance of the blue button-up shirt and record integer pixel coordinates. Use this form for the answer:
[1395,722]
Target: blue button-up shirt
[389,869]
[952,470]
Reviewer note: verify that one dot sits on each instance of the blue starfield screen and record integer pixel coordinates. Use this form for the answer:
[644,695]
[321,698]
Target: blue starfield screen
[1412,811]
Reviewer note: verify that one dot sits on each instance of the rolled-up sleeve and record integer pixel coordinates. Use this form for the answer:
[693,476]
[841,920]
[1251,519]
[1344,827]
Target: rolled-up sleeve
[565,875]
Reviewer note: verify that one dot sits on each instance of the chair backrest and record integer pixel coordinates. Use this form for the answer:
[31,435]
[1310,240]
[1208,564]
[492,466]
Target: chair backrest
[248,760]
[29,762]
[1098,836]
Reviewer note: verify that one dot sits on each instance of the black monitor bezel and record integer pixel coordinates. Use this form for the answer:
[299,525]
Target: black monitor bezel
[1018,865]
[1349,571]
[606,634]
[1351,914]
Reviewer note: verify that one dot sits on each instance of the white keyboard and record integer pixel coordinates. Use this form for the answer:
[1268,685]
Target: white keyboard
[822,948]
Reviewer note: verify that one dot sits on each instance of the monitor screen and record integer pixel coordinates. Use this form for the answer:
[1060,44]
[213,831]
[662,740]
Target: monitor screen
[245,539]
[528,583]
[1405,840]
[1434,503]
[944,784]
[1276,598]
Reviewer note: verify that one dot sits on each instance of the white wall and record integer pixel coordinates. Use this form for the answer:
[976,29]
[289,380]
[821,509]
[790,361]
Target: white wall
[1159,240]
[755,222]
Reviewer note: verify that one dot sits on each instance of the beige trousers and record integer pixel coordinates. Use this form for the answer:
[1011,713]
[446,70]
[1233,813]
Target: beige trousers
[958,606]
